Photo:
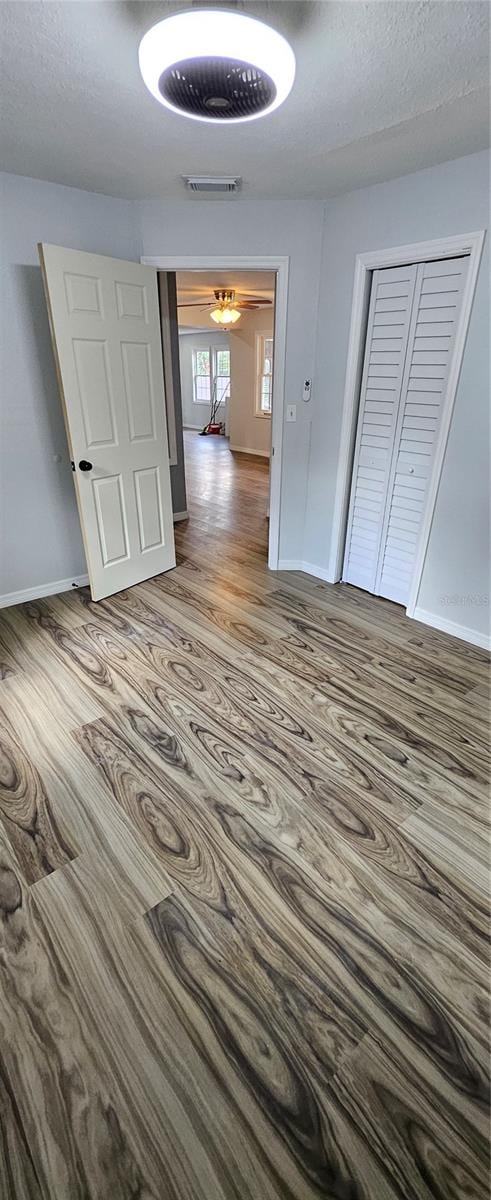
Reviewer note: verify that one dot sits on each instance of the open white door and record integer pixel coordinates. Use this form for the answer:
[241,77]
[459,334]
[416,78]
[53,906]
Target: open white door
[104,319]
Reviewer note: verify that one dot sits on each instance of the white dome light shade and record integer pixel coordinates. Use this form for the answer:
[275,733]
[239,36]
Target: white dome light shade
[217,66]
[225,316]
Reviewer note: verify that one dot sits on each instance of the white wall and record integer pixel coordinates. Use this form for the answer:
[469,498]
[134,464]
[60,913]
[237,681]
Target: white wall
[248,431]
[269,227]
[448,199]
[197,415]
[40,538]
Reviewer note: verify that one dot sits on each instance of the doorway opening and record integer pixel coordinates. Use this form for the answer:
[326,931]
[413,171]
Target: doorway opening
[223,399]
[170,265]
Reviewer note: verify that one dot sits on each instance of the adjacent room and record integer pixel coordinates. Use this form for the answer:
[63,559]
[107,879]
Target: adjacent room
[244,594]
[226,351]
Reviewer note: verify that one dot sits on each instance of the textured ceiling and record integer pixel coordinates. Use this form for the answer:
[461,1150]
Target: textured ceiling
[382,88]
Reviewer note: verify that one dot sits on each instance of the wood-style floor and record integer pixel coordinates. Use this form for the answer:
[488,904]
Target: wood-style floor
[242,884]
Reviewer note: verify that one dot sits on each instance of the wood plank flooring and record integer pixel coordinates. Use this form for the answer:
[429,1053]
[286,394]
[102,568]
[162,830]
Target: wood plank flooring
[243,883]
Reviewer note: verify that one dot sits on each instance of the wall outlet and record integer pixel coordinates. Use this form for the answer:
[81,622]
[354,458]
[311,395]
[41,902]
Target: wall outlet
[291,412]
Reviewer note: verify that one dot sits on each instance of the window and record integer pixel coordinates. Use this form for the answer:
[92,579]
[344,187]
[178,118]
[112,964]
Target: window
[211,375]
[221,372]
[264,389]
[201,376]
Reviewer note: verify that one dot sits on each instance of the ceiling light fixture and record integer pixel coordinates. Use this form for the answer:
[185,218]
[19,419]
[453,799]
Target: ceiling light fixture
[225,316]
[225,313]
[217,66]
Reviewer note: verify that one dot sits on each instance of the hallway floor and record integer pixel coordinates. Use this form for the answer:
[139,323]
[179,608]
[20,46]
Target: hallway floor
[226,490]
[243,883]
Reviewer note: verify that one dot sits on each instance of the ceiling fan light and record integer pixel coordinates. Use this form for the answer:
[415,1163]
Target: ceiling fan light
[225,316]
[183,54]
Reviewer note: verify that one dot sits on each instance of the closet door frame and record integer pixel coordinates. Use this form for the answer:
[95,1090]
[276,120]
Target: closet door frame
[470,244]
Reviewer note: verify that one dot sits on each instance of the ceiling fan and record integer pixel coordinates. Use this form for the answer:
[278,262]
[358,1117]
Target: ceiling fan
[225,308]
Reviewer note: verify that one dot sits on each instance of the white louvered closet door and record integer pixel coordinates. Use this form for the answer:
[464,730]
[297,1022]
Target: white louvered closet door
[392,525]
[391,303]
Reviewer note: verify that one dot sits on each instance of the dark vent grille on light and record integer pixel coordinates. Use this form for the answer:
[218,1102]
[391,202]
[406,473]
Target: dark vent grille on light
[217,88]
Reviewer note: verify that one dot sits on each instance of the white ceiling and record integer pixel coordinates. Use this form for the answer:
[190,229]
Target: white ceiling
[200,285]
[197,287]
[382,88]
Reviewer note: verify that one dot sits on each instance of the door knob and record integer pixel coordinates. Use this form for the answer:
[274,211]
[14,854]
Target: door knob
[84,465]
[411,470]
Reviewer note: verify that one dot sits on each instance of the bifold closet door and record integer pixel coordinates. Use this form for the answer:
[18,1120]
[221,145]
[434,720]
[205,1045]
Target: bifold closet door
[389,316]
[391,472]
[436,308]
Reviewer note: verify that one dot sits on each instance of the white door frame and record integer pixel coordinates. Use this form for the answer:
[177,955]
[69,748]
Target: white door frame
[237,262]
[398,256]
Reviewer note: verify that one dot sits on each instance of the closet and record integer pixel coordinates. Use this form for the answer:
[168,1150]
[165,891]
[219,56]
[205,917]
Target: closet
[412,321]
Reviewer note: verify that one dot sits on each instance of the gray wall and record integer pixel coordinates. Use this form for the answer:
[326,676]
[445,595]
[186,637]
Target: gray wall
[167,290]
[448,199]
[262,227]
[40,535]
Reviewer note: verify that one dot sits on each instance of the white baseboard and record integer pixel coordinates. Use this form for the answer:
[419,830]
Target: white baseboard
[420,614]
[180,516]
[247,450]
[289,564]
[192,426]
[319,572]
[43,589]
[294,564]
[453,628]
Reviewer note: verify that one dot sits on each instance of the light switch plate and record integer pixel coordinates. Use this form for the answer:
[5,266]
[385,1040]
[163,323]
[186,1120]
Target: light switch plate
[291,412]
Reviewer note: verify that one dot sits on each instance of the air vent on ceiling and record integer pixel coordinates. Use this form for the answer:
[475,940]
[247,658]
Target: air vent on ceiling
[208,183]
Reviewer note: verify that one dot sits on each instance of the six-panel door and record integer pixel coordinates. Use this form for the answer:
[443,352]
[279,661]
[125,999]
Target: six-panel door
[105,326]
